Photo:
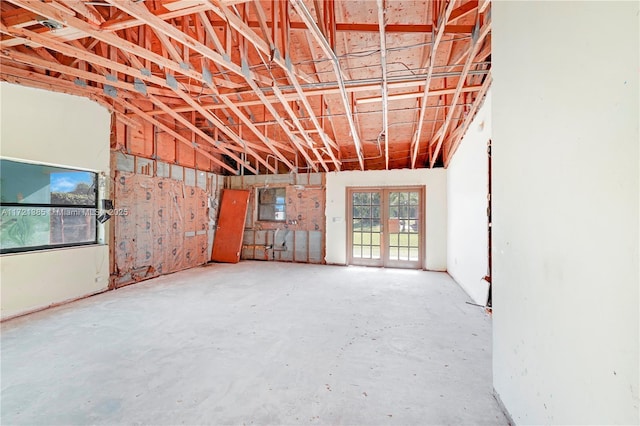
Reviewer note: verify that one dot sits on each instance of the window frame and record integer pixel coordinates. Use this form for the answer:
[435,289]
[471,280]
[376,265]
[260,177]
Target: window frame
[260,204]
[93,208]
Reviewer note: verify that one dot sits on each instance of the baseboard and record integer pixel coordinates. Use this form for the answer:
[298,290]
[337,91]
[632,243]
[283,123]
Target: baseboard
[52,305]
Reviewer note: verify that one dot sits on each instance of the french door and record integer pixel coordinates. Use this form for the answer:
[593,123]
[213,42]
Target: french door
[386,227]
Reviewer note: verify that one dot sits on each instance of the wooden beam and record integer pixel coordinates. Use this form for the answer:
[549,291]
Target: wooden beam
[140,11]
[76,52]
[476,42]
[39,81]
[215,143]
[413,95]
[403,28]
[16,56]
[293,78]
[284,28]
[281,121]
[385,88]
[463,10]
[304,134]
[129,22]
[275,4]
[321,92]
[331,24]
[304,13]
[320,18]
[19,18]
[262,19]
[226,130]
[115,24]
[24,18]
[483,5]
[86,10]
[242,28]
[211,33]
[462,129]
[263,138]
[261,46]
[82,54]
[46,10]
[177,136]
[437,37]
[166,44]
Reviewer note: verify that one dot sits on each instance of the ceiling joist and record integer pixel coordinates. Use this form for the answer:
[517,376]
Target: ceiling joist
[318,85]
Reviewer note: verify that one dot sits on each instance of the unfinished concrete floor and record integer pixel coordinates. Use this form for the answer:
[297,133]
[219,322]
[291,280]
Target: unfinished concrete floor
[256,343]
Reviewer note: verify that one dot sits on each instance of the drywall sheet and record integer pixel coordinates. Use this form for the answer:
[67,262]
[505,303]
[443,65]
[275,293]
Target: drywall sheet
[467,203]
[162,227]
[566,203]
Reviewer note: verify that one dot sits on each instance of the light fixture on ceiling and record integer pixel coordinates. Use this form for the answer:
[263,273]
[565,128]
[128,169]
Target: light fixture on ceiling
[50,23]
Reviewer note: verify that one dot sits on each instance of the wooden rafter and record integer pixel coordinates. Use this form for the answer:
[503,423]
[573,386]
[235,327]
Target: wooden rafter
[477,39]
[121,45]
[413,95]
[293,78]
[385,88]
[142,13]
[262,46]
[31,79]
[72,71]
[239,25]
[177,136]
[463,10]
[236,76]
[437,37]
[86,10]
[304,13]
[454,142]
[304,134]
[129,22]
[186,122]
[79,53]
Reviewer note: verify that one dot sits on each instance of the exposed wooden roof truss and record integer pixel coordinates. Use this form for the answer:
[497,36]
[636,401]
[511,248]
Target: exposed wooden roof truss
[267,86]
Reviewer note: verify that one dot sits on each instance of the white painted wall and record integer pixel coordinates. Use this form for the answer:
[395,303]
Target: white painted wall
[36,280]
[565,210]
[467,189]
[62,130]
[435,181]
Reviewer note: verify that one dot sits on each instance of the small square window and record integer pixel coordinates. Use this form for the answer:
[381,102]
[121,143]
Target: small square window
[271,204]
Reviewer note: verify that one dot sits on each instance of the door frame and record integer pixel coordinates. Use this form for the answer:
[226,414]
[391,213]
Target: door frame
[385,239]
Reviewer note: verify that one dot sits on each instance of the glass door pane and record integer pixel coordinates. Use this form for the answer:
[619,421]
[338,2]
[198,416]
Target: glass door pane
[403,223]
[366,228]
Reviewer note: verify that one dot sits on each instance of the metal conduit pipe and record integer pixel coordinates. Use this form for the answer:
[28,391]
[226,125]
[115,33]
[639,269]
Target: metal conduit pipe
[370,81]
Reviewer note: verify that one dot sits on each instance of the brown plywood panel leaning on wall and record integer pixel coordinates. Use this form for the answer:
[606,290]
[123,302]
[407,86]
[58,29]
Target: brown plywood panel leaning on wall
[233,211]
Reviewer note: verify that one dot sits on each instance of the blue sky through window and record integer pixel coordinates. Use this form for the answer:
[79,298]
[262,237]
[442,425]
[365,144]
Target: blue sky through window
[67,181]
